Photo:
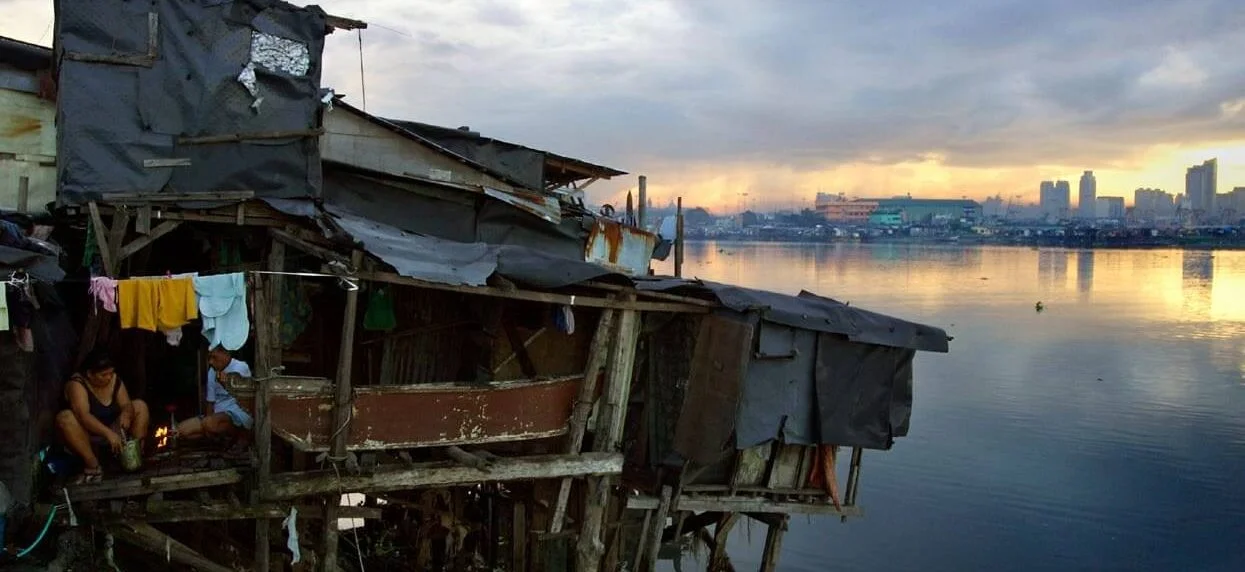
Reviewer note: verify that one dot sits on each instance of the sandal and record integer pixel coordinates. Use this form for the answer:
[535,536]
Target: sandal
[90,476]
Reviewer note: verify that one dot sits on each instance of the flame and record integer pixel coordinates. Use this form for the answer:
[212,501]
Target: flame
[162,436]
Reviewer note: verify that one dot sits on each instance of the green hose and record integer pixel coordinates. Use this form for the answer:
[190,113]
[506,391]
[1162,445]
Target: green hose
[51,516]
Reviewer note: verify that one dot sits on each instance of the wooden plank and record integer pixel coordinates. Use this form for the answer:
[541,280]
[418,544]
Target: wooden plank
[192,511]
[341,23]
[698,503]
[116,235]
[276,290]
[138,486]
[161,163]
[144,241]
[145,536]
[649,294]
[598,354]
[444,474]
[546,297]
[750,470]
[785,472]
[257,136]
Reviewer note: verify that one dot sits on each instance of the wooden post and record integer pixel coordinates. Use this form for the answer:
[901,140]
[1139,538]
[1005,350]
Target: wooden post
[718,559]
[263,448]
[598,353]
[23,194]
[679,238]
[608,436]
[642,219]
[341,412]
[520,538]
[268,333]
[649,561]
[773,544]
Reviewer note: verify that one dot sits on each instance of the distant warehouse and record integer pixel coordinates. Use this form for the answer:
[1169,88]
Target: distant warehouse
[899,210]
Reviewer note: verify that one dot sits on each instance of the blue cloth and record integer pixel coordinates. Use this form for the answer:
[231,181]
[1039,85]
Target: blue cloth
[222,401]
[222,306]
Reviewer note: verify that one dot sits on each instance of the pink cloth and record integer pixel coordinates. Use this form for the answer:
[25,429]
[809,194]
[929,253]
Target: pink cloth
[104,289]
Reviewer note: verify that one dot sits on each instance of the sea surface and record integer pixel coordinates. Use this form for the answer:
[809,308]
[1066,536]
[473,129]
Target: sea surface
[1106,432]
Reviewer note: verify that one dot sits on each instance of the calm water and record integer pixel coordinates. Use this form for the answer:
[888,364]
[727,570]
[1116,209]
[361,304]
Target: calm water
[1105,433]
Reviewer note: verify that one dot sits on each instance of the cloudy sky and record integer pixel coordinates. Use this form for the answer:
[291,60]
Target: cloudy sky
[783,98]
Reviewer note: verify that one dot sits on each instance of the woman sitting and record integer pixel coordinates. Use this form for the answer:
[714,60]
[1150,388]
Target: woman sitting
[100,410]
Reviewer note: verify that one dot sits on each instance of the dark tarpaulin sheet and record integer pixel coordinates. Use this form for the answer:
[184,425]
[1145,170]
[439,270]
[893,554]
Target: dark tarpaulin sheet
[393,205]
[113,117]
[811,312]
[39,266]
[864,392]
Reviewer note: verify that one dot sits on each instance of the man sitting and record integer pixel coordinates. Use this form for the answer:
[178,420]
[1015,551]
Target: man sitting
[99,409]
[225,417]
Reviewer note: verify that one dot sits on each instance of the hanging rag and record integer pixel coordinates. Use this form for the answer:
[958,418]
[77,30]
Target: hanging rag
[291,525]
[222,304]
[173,336]
[379,315]
[104,289]
[176,303]
[137,300]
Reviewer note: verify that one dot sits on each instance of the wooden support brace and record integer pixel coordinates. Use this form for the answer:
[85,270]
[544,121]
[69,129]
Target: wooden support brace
[649,561]
[773,544]
[289,238]
[145,536]
[598,353]
[718,559]
[152,235]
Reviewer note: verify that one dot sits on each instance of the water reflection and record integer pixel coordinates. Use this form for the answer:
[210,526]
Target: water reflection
[1102,433]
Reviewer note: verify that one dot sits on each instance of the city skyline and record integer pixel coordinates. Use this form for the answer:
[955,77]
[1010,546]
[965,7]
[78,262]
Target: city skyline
[985,98]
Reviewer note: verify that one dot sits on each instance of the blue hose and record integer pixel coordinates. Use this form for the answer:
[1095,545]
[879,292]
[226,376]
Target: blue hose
[51,516]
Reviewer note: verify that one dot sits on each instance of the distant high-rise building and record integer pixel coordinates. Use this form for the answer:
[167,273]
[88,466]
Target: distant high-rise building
[1150,205]
[1109,208]
[1200,184]
[993,207]
[1054,198]
[1088,191]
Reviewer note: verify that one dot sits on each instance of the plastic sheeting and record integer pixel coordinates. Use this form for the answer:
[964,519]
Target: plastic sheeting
[113,117]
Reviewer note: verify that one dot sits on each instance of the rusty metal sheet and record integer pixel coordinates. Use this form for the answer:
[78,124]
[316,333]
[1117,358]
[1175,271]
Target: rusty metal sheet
[545,207]
[425,415]
[624,247]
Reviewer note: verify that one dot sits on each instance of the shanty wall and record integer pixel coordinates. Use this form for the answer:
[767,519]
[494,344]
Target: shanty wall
[27,142]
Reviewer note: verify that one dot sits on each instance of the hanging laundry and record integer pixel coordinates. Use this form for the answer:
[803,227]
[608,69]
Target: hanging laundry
[177,303]
[222,304]
[136,304]
[104,289]
[379,315]
[173,336]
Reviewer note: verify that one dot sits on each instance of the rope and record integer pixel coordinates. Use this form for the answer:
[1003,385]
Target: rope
[358,548]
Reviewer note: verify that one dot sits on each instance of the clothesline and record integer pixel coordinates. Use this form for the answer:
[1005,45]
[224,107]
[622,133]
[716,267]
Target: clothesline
[350,284]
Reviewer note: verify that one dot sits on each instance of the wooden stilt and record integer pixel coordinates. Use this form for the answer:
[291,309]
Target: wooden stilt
[598,354]
[773,544]
[148,538]
[718,560]
[341,412]
[608,437]
[649,562]
[520,537]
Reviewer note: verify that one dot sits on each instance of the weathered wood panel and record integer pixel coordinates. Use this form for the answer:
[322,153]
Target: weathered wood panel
[353,140]
[424,415]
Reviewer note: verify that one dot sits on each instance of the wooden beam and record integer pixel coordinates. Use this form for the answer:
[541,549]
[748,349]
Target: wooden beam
[340,23]
[142,223]
[124,198]
[263,418]
[144,241]
[101,238]
[116,235]
[546,297]
[287,237]
[649,562]
[444,474]
[161,163]
[696,503]
[650,294]
[145,536]
[141,486]
[192,511]
[598,354]
[256,136]
[718,559]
